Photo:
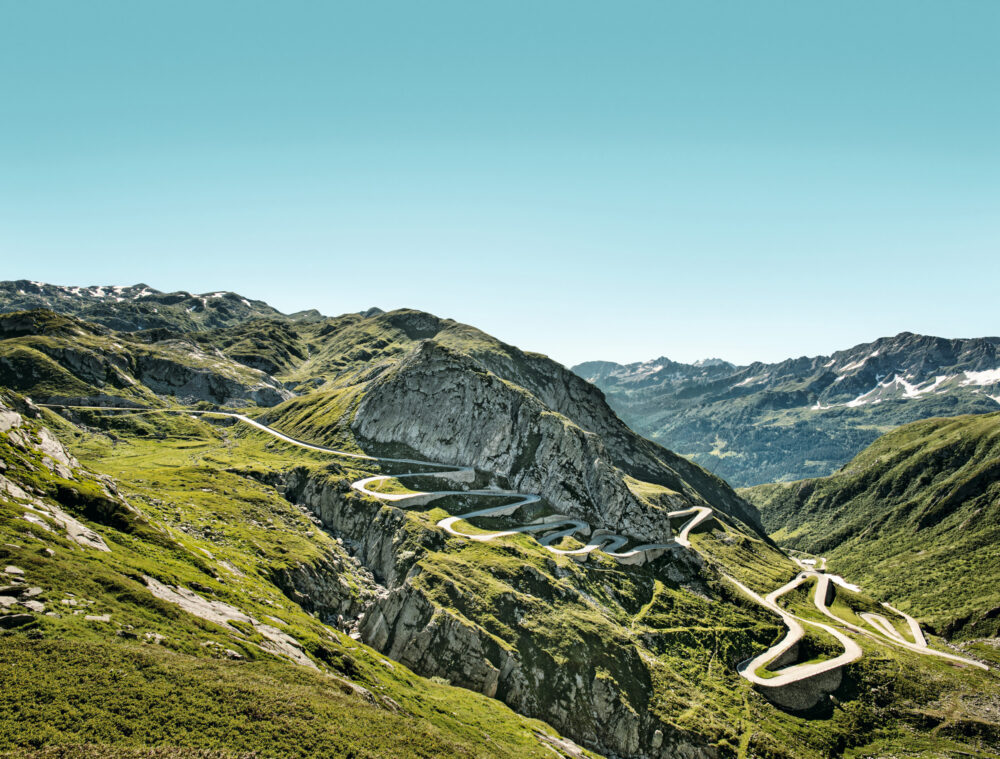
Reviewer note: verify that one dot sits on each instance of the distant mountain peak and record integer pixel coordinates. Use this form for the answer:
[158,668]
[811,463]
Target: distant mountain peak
[802,416]
[705,362]
[133,308]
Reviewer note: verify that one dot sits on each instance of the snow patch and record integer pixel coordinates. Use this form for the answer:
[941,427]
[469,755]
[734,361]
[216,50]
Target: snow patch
[862,399]
[853,365]
[987,377]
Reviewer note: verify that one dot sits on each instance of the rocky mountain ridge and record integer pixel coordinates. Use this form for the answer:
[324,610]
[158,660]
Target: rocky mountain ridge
[136,307]
[254,532]
[803,416]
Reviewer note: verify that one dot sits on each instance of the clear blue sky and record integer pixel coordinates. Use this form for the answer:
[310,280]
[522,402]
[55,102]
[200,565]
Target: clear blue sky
[750,180]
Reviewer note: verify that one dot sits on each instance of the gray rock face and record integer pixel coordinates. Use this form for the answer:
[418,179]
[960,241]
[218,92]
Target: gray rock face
[440,404]
[410,629]
[192,383]
[399,619]
[321,588]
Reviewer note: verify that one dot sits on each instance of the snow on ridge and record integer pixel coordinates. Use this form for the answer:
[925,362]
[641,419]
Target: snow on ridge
[986,377]
[910,390]
[853,365]
[861,399]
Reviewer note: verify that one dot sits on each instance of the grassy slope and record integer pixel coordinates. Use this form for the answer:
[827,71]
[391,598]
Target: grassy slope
[914,518]
[601,613]
[223,535]
[46,354]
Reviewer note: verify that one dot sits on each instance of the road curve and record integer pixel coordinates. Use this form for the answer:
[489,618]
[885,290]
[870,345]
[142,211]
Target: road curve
[796,672]
[602,540]
[556,527]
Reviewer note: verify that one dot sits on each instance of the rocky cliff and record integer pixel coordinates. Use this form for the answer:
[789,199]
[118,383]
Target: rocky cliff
[434,623]
[450,409]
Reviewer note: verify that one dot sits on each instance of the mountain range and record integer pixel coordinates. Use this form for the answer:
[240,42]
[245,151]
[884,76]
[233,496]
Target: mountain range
[232,530]
[802,417]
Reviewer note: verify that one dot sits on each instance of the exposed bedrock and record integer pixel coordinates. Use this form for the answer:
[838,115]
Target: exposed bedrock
[600,698]
[167,377]
[437,403]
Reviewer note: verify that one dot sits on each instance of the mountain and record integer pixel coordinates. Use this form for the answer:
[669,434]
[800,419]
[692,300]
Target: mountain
[138,613]
[801,417]
[66,360]
[436,533]
[916,516]
[138,307]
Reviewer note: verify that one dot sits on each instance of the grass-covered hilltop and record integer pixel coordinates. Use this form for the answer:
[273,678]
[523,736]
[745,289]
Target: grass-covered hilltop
[231,532]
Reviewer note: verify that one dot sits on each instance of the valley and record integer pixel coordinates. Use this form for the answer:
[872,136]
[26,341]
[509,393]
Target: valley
[441,528]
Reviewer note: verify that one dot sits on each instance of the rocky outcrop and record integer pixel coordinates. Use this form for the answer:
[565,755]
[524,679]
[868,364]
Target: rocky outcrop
[605,709]
[373,533]
[120,369]
[334,588]
[188,383]
[440,404]
[410,629]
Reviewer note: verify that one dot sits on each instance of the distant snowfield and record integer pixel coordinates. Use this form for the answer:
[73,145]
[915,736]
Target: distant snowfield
[988,377]
[908,387]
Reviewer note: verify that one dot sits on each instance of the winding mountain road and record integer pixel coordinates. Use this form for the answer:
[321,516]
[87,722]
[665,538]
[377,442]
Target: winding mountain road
[796,672]
[603,540]
[554,528]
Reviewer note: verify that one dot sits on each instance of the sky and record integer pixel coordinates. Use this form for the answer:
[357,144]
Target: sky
[591,180]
